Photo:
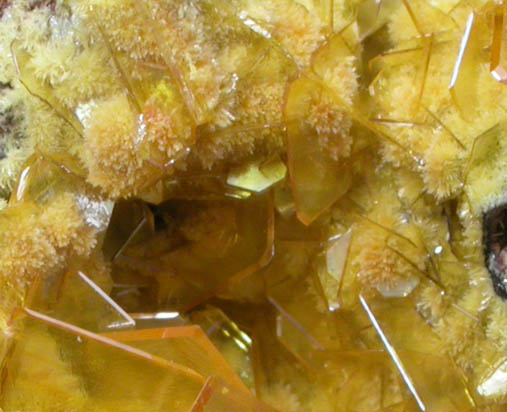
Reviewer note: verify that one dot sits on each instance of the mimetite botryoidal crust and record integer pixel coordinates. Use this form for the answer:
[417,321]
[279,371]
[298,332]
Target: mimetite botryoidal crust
[253,205]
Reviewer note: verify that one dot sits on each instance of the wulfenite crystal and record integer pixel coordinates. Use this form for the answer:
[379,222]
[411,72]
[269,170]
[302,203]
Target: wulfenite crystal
[246,205]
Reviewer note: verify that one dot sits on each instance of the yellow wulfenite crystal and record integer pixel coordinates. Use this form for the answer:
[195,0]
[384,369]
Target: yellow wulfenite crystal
[224,205]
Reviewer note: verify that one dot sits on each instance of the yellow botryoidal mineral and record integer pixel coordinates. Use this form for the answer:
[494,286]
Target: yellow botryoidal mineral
[255,205]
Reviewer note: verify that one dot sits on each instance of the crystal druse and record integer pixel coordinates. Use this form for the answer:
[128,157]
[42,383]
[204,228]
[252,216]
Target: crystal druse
[253,205]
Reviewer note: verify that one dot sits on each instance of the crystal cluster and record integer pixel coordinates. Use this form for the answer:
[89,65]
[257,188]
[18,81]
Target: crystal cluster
[253,205]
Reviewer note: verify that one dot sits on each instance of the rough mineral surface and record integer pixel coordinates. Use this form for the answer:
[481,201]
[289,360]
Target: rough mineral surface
[253,205]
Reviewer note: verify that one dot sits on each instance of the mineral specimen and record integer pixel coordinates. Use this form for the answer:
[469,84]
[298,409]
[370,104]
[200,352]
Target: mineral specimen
[253,205]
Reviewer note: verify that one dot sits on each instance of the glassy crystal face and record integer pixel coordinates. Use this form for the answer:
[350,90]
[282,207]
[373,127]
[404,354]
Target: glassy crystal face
[242,205]
[498,55]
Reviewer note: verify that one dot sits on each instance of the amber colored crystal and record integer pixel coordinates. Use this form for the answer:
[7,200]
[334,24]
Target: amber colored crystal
[463,89]
[41,90]
[91,372]
[57,296]
[317,180]
[210,261]
[131,222]
[421,54]
[415,355]
[43,179]
[234,343]
[215,396]
[287,226]
[186,345]
[499,46]
[425,17]
[257,175]
[332,268]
